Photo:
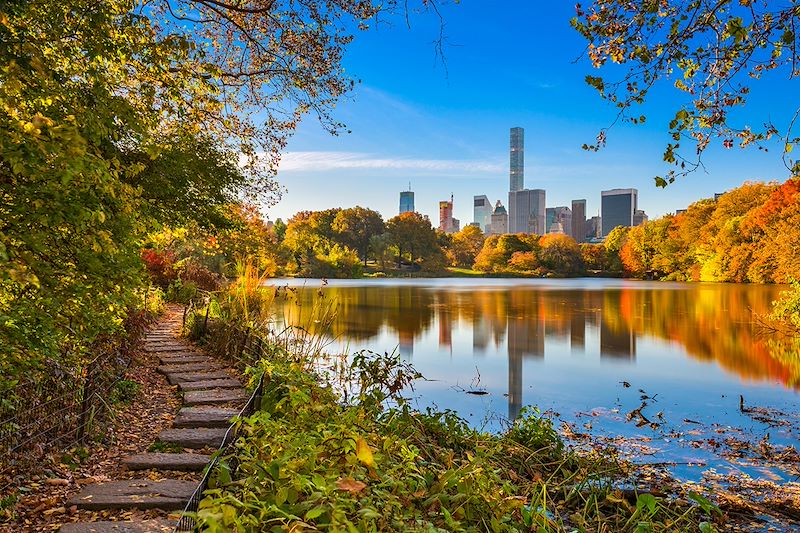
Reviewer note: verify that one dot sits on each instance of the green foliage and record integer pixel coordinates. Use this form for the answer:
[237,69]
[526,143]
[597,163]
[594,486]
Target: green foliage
[786,309]
[414,237]
[307,459]
[693,46]
[124,391]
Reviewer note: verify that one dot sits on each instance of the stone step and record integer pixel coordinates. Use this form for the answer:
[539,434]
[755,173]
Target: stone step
[188,462]
[188,367]
[210,384]
[194,438]
[189,357]
[165,349]
[182,377]
[214,397]
[167,495]
[145,526]
[204,417]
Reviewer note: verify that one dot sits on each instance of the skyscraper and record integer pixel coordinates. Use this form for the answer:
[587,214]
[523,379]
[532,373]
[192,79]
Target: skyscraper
[617,208]
[578,220]
[558,220]
[483,212]
[517,157]
[527,211]
[499,225]
[407,201]
[447,223]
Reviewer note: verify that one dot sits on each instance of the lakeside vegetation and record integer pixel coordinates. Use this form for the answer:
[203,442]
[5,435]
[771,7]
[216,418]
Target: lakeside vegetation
[334,446]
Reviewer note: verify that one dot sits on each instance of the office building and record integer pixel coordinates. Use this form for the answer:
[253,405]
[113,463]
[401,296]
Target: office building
[526,211]
[593,228]
[617,207]
[517,160]
[639,217]
[407,201]
[559,220]
[483,212]
[578,230]
[499,224]
[447,223]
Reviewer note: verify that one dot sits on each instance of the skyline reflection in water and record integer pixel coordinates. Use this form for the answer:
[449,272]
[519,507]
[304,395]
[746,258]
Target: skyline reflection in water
[566,345]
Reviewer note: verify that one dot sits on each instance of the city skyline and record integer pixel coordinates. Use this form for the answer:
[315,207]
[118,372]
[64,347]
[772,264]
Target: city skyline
[446,131]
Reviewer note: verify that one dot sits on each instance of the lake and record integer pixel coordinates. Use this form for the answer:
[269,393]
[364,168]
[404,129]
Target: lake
[664,365]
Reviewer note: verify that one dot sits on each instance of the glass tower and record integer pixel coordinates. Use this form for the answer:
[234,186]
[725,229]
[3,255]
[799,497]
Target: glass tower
[406,202]
[517,155]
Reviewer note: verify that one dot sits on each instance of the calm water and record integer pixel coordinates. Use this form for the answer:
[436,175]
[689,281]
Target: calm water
[588,350]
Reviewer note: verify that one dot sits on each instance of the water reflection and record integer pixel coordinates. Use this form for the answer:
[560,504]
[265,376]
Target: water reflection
[710,322]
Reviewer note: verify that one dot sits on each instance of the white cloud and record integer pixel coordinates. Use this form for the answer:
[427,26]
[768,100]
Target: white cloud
[320,161]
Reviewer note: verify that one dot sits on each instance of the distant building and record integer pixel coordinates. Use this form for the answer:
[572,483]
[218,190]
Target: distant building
[593,228]
[617,207]
[447,223]
[517,160]
[559,220]
[639,217]
[499,224]
[483,212]
[679,211]
[578,230]
[717,195]
[527,211]
[406,202]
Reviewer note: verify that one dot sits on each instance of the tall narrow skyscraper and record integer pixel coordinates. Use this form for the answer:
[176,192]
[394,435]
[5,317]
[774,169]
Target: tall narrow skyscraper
[579,220]
[517,155]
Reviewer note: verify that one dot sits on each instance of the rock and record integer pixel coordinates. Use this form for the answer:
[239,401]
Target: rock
[179,358]
[212,397]
[145,526]
[188,367]
[189,462]
[182,377]
[167,495]
[210,384]
[204,417]
[193,437]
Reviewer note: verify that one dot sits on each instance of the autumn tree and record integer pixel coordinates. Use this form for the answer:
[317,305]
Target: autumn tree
[412,234]
[613,244]
[712,52]
[465,246]
[355,227]
[560,253]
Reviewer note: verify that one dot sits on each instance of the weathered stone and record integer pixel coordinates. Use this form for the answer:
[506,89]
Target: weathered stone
[164,349]
[210,384]
[204,417]
[145,526]
[180,358]
[182,377]
[188,367]
[193,437]
[212,397]
[190,462]
[167,495]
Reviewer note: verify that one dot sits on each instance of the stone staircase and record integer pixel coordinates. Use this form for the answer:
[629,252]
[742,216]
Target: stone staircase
[212,396]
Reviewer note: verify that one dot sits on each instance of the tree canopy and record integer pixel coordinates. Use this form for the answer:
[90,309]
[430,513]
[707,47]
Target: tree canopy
[712,51]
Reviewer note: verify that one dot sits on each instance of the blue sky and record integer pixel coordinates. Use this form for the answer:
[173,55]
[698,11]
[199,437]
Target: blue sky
[447,132]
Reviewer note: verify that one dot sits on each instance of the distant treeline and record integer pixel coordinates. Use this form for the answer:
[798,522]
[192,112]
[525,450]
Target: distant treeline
[749,234]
